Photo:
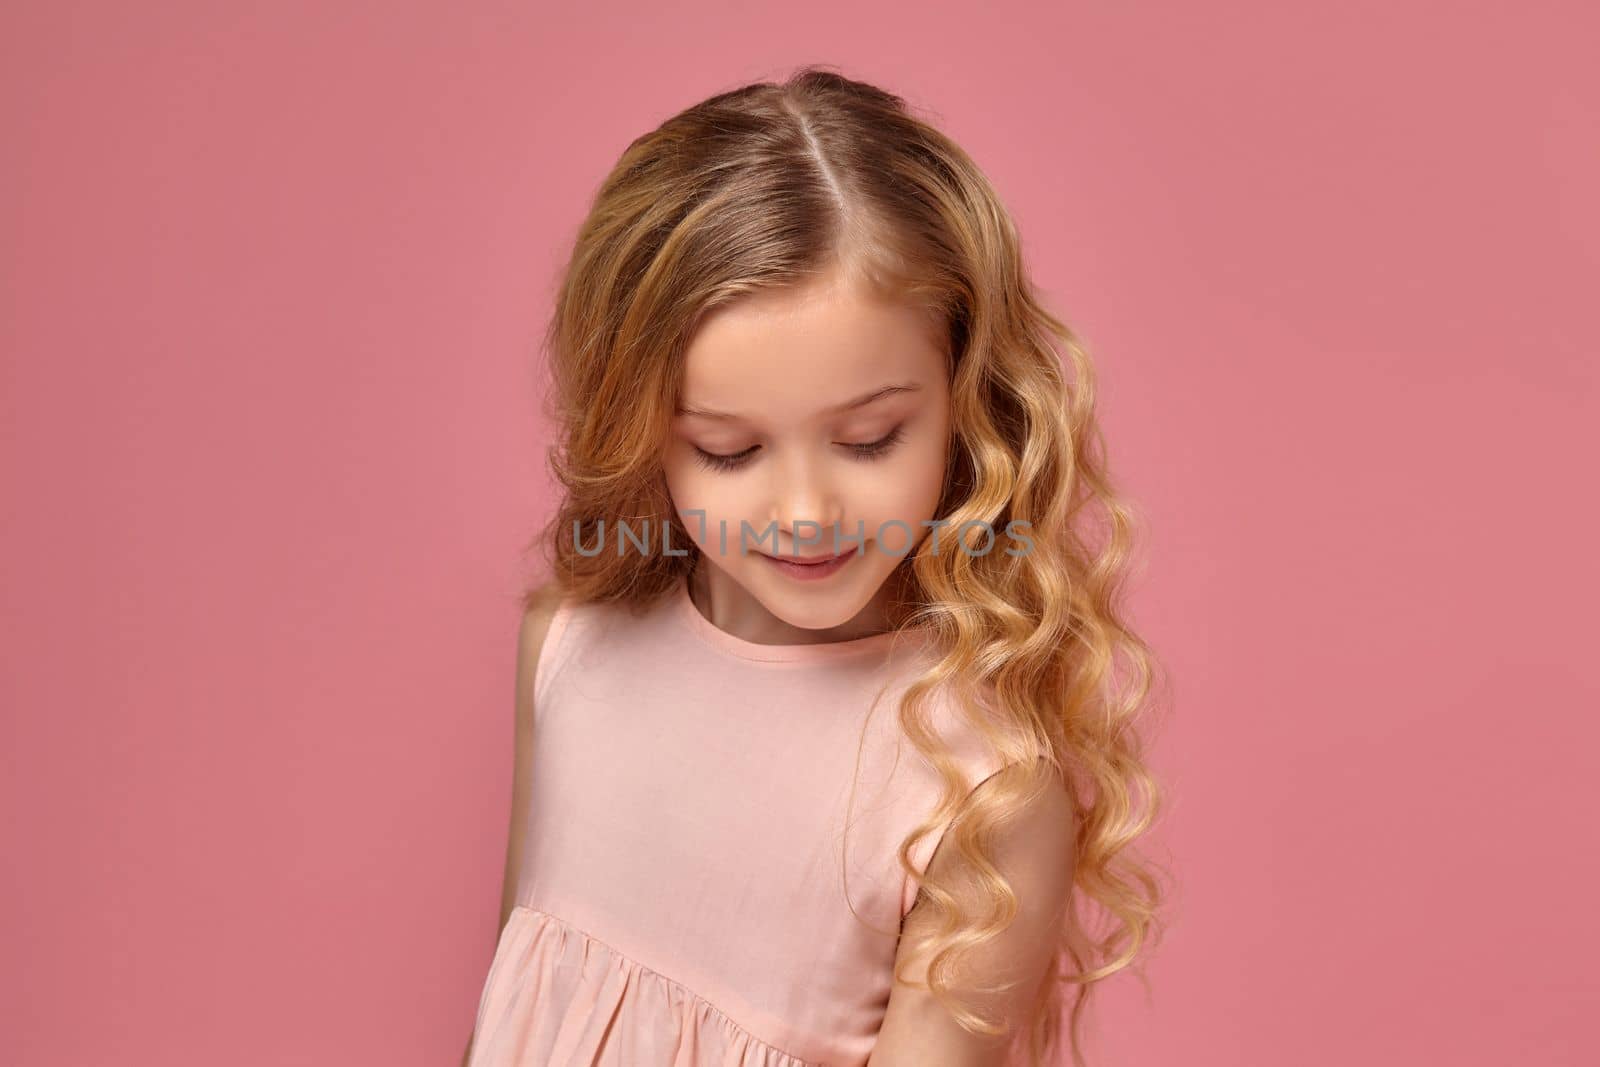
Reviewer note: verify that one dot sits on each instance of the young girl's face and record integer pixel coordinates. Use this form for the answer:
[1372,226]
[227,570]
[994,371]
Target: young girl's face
[805,413]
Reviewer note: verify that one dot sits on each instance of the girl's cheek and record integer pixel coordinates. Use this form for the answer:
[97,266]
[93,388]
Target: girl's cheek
[705,507]
[909,490]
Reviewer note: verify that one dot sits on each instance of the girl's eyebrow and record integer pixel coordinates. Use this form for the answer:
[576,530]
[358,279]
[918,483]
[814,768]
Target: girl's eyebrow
[861,401]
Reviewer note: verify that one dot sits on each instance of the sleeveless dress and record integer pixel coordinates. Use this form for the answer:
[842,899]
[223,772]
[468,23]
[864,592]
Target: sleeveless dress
[692,893]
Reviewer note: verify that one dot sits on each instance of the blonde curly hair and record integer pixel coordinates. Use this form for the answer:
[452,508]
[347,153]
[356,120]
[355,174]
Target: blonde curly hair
[767,186]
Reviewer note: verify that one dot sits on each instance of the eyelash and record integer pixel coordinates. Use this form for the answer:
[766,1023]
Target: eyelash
[873,450]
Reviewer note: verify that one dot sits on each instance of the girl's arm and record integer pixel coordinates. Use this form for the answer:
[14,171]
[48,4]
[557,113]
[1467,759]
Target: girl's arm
[530,639]
[1034,852]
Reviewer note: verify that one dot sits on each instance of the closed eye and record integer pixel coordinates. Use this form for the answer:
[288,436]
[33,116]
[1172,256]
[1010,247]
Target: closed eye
[718,462]
[879,448]
[871,450]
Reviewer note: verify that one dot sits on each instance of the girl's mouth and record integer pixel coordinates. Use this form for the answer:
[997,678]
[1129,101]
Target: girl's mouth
[810,570]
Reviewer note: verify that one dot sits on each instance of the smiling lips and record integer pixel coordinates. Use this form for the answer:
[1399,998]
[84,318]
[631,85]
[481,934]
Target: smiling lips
[809,568]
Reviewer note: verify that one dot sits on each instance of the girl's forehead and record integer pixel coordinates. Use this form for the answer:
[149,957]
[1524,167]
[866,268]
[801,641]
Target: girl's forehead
[796,355]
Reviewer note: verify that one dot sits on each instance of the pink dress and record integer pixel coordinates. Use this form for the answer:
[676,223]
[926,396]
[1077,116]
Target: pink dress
[685,901]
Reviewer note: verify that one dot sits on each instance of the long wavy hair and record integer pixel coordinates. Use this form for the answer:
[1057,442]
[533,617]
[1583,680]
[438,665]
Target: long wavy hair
[769,186]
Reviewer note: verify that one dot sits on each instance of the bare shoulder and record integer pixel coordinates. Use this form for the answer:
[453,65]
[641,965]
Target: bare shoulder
[1036,844]
[540,610]
[1034,852]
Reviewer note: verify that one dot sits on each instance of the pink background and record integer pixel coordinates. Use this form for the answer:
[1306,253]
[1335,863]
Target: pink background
[273,277]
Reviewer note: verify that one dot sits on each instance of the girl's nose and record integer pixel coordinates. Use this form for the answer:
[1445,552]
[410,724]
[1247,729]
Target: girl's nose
[805,508]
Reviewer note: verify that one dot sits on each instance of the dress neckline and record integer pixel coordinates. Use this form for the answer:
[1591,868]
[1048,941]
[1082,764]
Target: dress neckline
[719,638]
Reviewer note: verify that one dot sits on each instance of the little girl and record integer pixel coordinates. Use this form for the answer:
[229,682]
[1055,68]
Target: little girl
[824,710]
